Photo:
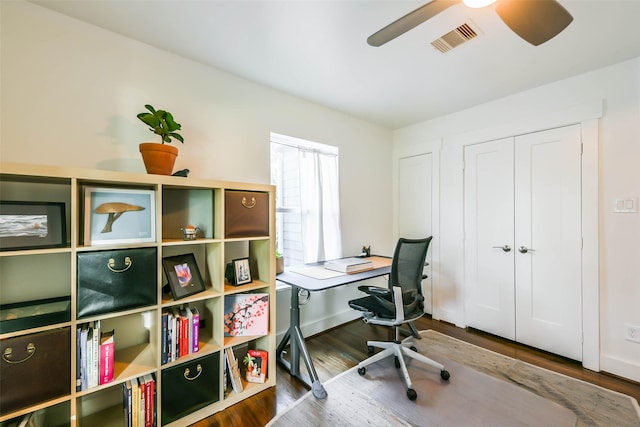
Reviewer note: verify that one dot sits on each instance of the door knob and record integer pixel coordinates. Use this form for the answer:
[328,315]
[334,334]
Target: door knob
[505,248]
[524,249]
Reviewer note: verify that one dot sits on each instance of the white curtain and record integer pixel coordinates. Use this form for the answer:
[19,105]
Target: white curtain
[319,205]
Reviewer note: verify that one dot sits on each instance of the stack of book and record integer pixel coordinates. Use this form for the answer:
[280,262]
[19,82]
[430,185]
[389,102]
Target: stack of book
[349,265]
[180,332]
[95,356]
[139,401]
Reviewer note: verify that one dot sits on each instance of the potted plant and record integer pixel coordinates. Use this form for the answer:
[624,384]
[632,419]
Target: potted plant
[160,158]
[279,263]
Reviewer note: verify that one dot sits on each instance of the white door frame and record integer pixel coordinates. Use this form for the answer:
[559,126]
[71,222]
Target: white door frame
[432,147]
[587,116]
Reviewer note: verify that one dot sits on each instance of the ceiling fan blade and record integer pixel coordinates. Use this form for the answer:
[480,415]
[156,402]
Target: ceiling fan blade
[536,21]
[409,21]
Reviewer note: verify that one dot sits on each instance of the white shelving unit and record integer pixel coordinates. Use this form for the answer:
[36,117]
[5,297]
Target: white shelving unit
[32,274]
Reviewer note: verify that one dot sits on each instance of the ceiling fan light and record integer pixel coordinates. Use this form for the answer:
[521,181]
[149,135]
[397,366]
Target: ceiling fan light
[478,3]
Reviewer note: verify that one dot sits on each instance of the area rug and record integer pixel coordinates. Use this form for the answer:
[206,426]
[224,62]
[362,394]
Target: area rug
[485,389]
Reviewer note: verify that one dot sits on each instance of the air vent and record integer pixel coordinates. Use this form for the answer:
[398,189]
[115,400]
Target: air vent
[455,38]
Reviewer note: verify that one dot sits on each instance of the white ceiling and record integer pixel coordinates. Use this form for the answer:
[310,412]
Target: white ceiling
[317,50]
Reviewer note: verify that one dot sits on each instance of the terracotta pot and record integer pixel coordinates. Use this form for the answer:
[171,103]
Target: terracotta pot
[158,158]
[279,265]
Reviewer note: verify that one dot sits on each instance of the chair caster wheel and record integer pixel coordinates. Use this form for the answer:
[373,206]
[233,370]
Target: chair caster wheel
[362,371]
[370,350]
[411,394]
[397,362]
[414,348]
[444,374]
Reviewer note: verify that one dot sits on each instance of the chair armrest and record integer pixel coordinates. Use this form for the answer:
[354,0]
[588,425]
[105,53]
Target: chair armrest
[375,290]
[397,296]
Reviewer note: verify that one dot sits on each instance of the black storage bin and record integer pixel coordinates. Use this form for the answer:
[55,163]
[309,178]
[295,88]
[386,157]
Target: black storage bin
[246,214]
[116,280]
[34,368]
[190,386]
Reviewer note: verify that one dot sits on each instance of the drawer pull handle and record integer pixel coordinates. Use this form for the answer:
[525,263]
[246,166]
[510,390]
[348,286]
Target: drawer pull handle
[112,264]
[187,372]
[244,202]
[8,352]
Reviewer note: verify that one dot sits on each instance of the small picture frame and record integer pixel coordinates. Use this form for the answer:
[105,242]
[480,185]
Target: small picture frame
[32,225]
[183,275]
[241,271]
[118,215]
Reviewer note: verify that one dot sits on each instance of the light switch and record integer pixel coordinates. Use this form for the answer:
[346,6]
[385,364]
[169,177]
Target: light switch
[628,205]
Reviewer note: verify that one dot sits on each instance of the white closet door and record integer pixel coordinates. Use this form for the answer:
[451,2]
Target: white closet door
[415,206]
[489,237]
[548,225]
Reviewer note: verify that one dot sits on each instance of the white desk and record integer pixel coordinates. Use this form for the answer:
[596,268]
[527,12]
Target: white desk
[382,266]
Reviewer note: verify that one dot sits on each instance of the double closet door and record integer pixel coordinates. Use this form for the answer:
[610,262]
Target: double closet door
[523,239]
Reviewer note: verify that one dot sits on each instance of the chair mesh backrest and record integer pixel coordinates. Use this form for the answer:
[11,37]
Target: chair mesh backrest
[408,263]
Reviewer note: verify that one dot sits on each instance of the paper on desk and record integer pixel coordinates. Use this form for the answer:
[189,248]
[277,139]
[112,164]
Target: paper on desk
[315,271]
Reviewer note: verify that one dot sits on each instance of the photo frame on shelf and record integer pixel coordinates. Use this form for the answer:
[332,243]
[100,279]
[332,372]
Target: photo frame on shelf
[241,271]
[118,215]
[183,275]
[32,225]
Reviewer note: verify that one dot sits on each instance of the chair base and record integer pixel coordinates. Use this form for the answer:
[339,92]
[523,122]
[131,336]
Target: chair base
[400,349]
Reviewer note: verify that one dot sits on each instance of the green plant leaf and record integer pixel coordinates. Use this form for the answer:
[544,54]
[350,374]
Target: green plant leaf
[161,123]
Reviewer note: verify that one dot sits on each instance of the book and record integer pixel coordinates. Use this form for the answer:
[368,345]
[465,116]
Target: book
[257,363]
[184,333]
[349,265]
[177,331]
[246,315]
[143,402]
[196,329]
[164,337]
[189,314]
[234,370]
[78,358]
[135,403]
[149,386]
[95,357]
[89,356]
[170,336]
[84,335]
[107,358]
[126,402]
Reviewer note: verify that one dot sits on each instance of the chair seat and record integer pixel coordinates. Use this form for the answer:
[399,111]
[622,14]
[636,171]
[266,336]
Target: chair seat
[373,306]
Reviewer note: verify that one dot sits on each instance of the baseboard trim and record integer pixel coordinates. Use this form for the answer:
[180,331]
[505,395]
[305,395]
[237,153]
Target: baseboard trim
[620,367]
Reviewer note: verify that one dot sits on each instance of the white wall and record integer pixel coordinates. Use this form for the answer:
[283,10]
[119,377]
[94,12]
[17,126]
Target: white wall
[71,92]
[617,88]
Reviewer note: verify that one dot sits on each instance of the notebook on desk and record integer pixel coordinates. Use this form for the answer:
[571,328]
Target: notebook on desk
[349,265]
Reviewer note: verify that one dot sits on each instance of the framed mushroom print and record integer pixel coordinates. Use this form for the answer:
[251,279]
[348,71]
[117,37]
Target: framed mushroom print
[118,215]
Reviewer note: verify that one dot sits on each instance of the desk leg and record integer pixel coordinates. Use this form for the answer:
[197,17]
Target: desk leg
[298,348]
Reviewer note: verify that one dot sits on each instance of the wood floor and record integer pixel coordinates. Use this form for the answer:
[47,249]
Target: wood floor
[343,347]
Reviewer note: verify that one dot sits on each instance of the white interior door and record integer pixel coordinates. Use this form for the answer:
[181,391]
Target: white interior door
[548,224]
[525,193]
[489,236]
[415,206]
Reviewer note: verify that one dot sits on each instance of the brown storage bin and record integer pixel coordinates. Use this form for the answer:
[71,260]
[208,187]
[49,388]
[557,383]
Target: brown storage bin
[34,368]
[246,214]
[190,386]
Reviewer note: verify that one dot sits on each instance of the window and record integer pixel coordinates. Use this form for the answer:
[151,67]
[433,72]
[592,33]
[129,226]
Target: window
[307,199]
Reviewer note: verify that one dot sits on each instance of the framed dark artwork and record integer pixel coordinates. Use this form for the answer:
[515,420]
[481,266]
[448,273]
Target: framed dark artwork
[117,215]
[32,225]
[241,271]
[183,275]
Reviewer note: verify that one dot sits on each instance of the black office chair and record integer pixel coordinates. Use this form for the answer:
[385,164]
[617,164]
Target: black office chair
[400,304]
